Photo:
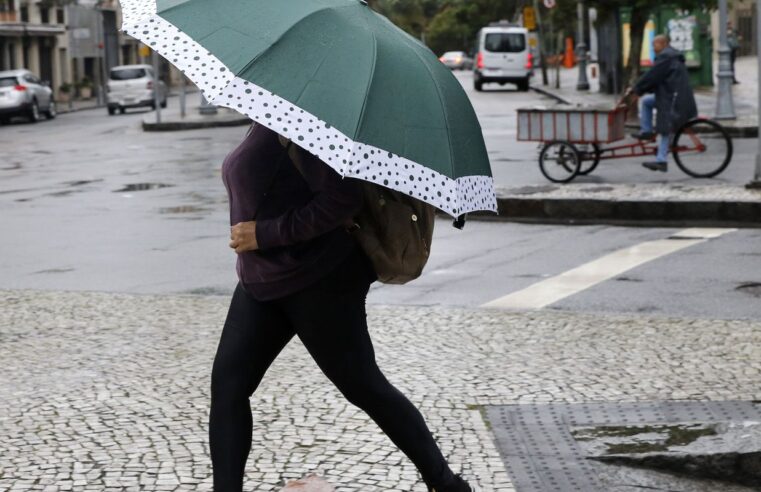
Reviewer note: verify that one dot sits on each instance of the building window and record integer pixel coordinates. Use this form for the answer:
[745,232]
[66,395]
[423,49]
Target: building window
[6,6]
[59,16]
[24,10]
[44,15]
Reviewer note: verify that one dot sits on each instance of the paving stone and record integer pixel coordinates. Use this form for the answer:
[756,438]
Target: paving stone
[109,388]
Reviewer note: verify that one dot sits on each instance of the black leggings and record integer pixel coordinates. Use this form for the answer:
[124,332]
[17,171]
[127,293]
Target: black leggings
[329,318]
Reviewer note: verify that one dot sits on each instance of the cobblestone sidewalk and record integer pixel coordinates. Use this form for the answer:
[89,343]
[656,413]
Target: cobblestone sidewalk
[109,392]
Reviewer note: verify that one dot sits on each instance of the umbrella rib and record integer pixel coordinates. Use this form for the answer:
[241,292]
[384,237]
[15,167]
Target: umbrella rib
[443,108]
[367,94]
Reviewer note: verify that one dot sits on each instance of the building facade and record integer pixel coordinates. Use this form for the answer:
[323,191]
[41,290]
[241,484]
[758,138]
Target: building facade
[69,42]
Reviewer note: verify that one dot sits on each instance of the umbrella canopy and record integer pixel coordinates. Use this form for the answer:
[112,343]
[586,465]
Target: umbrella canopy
[339,80]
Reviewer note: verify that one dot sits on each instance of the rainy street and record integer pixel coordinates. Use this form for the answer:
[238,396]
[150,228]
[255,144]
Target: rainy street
[115,277]
[91,202]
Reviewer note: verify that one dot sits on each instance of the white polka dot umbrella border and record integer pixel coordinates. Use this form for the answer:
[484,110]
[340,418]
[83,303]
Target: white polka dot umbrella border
[347,157]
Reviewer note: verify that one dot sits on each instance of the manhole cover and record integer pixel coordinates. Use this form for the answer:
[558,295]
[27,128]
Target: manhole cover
[141,187]
[541,454]
[750,288]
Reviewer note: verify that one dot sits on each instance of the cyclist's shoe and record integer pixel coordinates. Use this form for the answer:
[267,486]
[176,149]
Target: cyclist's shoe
[644,135]
[657,166]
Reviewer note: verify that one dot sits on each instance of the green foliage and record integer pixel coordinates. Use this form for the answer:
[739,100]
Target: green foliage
[445,25]
[448,25]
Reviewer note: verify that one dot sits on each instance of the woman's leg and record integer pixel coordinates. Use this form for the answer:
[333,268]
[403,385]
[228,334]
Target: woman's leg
[330,320]
[253,334]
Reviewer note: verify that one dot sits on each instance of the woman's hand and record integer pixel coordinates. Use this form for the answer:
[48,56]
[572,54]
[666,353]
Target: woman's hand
[243,237]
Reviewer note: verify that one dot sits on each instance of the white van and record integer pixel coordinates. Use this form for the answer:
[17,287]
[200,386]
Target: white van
[132,86]
[504,56]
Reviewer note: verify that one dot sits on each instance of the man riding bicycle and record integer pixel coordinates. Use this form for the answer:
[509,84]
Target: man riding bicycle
[668,90]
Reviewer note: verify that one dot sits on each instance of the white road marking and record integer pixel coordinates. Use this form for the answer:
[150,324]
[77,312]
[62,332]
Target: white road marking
[551,290]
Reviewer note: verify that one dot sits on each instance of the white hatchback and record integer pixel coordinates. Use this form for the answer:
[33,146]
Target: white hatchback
[132,86]
[503,56]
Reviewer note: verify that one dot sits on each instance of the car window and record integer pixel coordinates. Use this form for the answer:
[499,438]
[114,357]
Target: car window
[8,81]
[505,42]
[127,73]
[29,79]
[452,54]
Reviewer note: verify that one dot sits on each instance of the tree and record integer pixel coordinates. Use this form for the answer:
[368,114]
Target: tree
[445,25]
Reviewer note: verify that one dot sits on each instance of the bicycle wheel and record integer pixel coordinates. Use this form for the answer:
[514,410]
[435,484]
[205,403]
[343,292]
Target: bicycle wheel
[702,148]
[559,161]
[590,159]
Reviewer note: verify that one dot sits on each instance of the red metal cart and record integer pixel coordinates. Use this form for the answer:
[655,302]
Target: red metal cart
[575,141]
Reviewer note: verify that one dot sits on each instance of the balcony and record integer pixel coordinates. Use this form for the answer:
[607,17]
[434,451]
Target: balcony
[8,16]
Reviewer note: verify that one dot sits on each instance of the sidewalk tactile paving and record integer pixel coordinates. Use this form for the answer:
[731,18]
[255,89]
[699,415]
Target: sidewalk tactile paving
[541,455]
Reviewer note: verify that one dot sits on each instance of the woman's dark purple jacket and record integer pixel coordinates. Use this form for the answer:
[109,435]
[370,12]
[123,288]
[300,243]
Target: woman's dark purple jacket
[299,217]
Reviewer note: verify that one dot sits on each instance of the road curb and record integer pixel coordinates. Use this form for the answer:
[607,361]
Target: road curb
[551,95]
[194,125]
[627,212]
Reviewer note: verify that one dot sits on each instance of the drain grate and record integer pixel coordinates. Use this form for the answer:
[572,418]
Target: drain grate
[541,455]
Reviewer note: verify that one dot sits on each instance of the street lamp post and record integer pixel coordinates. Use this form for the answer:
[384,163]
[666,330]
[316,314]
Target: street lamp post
[756,183]
[156,85]
[725,106]
[581,50]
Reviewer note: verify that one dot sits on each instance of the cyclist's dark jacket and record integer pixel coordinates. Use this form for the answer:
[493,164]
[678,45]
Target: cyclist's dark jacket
[669,81]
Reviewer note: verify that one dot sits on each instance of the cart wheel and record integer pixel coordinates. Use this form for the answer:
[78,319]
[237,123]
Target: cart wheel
[559,161]
[590,159]
[702,148]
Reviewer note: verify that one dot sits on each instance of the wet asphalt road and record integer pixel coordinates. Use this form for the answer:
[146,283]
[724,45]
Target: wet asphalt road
[90,202]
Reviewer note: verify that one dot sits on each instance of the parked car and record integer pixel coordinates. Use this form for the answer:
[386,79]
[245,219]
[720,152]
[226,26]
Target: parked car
[457,60]
[133,86]
[503,56]
[23,94]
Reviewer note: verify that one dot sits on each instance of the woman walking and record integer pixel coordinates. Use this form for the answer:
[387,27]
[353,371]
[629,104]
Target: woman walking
[301,273]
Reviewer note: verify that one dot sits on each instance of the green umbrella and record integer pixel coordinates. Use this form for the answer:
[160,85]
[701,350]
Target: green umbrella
[338,79]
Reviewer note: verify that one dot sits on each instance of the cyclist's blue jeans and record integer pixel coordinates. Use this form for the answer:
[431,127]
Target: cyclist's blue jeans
[646,125]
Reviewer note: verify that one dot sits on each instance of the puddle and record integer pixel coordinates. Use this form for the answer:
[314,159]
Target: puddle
[63,193]
[55,270]
[750,288]
[82,182]
[142,187]
[183,209]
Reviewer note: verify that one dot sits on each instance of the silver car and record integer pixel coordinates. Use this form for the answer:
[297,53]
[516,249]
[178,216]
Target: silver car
[457,60]
[23,94]
[132,86]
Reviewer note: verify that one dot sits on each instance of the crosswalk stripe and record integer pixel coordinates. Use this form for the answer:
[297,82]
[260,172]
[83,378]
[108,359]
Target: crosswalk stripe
[552,290]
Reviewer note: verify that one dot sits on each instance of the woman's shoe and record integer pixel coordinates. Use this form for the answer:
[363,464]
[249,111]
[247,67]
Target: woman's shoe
[458,484]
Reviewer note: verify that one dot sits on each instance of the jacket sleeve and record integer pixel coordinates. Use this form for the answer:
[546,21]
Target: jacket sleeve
[653,77]
[334,201]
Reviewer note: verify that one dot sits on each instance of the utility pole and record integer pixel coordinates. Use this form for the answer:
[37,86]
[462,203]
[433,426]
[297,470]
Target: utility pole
[581,50]
[725,106]
[156,85]
[756,183]
[542,52]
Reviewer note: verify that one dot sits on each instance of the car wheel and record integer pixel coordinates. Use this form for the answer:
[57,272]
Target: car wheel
[478,85]
[523,85]
[122,109]
[163,104]
[111,111]
[4,121]
[51,112]
[34,113]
